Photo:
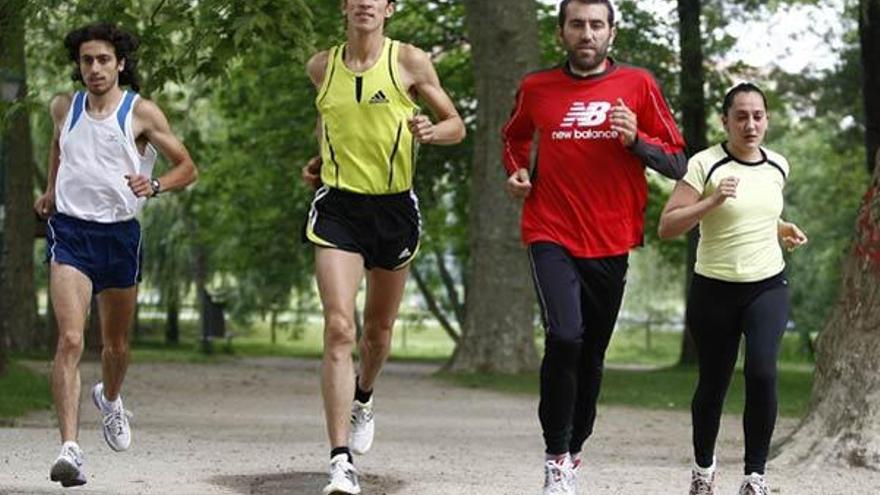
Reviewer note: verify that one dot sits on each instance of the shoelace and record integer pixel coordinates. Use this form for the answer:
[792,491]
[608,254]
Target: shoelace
[116,420]
[72,454]
[345,470]
[700,486]
[755,487]
[556,476]
[361,416]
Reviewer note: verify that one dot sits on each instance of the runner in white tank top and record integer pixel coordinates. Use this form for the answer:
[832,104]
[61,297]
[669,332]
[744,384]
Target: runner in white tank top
[104,147]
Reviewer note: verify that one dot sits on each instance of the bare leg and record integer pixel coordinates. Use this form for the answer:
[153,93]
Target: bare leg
[339,274]
[71,295]
[117,310]
[384,293]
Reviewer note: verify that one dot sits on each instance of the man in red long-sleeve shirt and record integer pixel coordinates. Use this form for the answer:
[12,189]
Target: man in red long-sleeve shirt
[600,123]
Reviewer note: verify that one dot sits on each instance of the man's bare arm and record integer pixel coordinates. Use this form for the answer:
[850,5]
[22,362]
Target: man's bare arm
[58,108]
[419,71]
[151,123]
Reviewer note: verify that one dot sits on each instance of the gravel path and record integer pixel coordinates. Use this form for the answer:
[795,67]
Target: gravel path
[256,426]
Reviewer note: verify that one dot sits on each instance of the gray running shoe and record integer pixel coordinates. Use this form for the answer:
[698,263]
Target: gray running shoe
[117,432]
[68,467]
[558,477]
[343,477]
[702,484]
[363,427]
[754,484]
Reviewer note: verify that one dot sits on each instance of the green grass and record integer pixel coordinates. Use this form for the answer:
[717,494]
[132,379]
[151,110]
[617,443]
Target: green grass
[666,388]
[23,390]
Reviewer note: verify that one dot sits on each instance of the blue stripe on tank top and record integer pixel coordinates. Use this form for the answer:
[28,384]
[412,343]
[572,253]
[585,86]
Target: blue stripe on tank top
[79,104]
[124,109]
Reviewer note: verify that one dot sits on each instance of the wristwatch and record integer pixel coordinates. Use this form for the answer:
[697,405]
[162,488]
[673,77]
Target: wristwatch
[155,186]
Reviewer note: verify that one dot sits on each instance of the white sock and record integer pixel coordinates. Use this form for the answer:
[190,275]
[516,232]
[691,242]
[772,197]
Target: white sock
[108,405]
[558,458]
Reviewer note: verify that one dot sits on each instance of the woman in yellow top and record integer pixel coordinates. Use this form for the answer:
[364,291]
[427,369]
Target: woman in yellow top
[734,191]
[364,219]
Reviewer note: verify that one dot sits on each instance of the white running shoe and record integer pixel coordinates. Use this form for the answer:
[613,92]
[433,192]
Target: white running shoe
[754,484]
[576,463]
[559,477]
[68,467]
[343,477]
[363,426]
[117,432]
[702,481]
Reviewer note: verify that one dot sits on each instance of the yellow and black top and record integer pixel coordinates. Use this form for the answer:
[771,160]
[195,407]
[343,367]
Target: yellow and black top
[367,146]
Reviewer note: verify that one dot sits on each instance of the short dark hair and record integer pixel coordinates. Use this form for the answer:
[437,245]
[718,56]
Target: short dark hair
[743,87]
[125,46]
[564,5]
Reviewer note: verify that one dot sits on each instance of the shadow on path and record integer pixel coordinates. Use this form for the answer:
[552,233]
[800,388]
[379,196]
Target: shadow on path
[300,483]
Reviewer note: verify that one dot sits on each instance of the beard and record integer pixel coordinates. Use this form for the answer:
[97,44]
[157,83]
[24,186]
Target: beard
[587,63]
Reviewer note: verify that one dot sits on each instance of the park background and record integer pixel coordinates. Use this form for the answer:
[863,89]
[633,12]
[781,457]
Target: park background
[226,275]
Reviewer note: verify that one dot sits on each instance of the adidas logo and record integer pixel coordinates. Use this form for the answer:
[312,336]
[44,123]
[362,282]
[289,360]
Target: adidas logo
[378,98]
[403,254]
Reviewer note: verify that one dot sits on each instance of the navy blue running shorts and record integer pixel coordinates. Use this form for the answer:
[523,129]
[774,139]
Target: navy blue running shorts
[109,254]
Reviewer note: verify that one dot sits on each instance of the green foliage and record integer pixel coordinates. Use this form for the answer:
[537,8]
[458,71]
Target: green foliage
[666,388]
[23,390]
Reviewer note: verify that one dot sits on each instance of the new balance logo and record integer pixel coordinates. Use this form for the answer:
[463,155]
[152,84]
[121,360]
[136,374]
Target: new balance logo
[379,97]
[582,114]
[589,115]
[404,254]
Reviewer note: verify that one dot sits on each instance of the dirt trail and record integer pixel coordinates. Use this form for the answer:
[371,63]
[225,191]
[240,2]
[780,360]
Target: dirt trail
[256,427]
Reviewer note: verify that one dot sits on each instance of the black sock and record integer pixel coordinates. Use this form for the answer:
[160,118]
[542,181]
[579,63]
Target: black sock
[360,395]
[341,450]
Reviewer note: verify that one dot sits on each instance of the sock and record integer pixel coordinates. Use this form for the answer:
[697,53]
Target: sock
[110,405]
[360,395]
[575,459]
[341,450]
[705,471]
[559,458]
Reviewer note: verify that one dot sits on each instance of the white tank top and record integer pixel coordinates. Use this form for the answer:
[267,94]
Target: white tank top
[96,155]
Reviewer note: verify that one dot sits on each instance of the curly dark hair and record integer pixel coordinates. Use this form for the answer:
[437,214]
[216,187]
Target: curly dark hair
[124,44]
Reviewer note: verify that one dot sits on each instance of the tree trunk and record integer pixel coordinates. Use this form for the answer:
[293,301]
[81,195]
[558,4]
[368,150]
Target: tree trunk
[172,322]
[18,304]
[498,335]
[693,117]
[843,425]
[869,34]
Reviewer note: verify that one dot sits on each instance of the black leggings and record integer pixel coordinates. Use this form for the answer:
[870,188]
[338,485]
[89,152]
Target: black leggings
[579,300]
[718,314]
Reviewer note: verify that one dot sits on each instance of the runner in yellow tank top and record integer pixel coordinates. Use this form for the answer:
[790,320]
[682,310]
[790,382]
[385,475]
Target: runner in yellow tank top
[364,216]
[367,147]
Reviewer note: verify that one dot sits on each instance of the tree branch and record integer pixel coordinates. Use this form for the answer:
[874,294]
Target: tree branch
[451,291]
[433,307]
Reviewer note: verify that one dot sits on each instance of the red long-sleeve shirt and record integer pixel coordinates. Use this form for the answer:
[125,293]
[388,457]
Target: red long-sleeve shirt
[588,190]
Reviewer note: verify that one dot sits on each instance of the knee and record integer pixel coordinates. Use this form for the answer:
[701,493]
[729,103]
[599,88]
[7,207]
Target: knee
[761,374]
[339,335]
[70,344]
[377,334]
[115,348]
[563,349]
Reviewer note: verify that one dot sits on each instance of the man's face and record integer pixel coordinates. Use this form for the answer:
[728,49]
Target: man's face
[746,120]
[367,15]
[99,66]
[586,35]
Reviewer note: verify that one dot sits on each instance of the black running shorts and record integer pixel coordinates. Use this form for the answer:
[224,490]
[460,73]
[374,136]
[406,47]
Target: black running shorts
[384,229]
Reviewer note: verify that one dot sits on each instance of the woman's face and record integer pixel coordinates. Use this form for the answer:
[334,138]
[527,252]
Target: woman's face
[746,120]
